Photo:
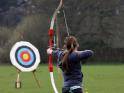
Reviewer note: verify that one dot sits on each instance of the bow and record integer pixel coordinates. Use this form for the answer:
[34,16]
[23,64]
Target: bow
[51,43]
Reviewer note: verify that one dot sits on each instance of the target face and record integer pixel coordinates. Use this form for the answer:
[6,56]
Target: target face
[24,56]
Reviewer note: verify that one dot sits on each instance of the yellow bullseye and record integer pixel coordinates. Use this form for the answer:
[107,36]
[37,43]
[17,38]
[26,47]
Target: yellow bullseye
[25,56]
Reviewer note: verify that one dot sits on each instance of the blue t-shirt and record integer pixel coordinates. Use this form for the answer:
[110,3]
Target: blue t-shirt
[74,76]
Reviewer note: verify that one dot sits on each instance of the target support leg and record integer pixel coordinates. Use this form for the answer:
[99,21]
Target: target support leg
[34,75]
[18,81]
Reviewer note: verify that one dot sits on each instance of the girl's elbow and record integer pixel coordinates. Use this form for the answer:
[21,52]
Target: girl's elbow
[90,52]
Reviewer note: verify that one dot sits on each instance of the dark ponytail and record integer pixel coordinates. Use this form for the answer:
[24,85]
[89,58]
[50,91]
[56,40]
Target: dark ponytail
[70,45]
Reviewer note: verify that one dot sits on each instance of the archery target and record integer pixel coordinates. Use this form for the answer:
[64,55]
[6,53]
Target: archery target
[25,56]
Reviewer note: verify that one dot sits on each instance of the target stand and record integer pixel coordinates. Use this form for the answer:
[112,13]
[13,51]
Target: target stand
[18,83]
[26,58]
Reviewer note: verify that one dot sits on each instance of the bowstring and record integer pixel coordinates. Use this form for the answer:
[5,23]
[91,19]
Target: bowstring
[65,20]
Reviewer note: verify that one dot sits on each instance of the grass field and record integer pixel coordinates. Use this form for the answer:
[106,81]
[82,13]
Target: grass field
[97,79]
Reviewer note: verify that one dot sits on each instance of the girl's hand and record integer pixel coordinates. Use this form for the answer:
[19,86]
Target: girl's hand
[49,51]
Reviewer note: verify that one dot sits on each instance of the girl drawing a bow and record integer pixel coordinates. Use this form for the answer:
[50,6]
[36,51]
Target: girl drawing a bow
[69,62]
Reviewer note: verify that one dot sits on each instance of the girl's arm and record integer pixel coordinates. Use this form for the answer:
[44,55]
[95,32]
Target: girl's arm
[85,54]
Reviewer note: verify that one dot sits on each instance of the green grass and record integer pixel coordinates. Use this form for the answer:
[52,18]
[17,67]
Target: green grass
[104,79]
[97,79]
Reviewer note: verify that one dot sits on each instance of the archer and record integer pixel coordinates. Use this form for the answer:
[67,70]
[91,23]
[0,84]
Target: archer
[69,62]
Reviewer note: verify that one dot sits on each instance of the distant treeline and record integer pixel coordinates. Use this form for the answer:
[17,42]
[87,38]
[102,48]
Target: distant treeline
[98,25]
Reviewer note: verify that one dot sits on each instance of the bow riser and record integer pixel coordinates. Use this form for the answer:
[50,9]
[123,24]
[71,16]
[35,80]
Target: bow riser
[51,34]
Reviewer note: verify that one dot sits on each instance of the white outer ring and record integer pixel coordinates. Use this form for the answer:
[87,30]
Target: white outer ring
[14,61]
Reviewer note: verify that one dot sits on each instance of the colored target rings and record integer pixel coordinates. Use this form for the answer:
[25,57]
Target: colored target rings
[25,56]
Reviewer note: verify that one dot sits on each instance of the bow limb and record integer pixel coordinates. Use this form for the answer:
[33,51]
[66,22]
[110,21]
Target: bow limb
[55,14]
[51,43]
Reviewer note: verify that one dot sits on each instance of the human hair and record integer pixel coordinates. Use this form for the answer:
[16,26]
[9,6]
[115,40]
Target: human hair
[70,44]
